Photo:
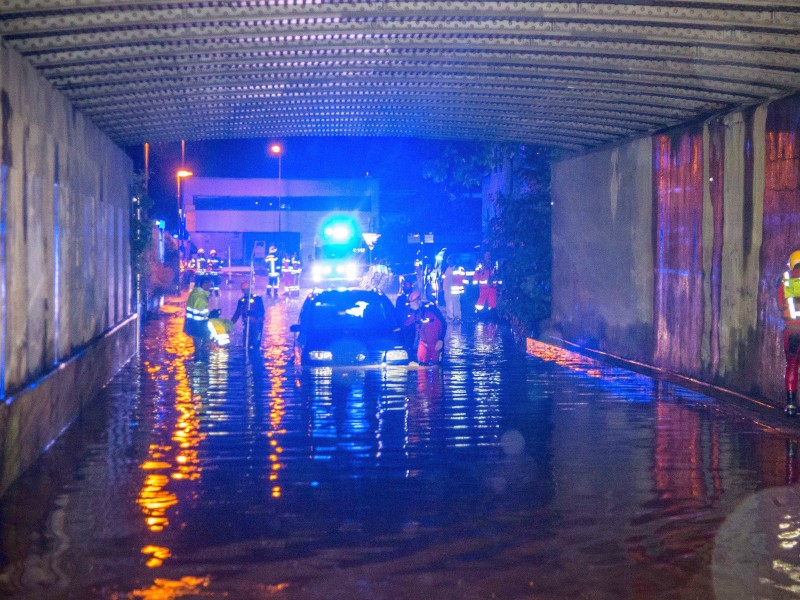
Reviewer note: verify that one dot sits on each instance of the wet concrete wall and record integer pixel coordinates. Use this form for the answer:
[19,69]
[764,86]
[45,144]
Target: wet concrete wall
[602,250]
[668,249]
[65,268]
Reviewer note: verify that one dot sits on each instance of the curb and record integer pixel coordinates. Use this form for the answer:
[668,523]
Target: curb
[761,411]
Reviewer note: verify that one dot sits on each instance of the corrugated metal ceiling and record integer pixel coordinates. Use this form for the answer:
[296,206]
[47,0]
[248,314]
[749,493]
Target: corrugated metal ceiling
[568,74]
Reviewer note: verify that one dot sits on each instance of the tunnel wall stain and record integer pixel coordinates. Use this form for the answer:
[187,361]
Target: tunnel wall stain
[678,286]
[65,279]
[602,249]
[781,234]
[724,199]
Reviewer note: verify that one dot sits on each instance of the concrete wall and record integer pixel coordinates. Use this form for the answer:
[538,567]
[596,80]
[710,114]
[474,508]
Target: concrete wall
[602,249]
[65,278]
[668,249]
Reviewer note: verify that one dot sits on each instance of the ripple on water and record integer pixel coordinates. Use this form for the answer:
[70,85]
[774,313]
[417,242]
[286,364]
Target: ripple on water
[546,476]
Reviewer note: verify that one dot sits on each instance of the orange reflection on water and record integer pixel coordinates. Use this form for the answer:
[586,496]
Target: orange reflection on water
[276,366]
[173,453]
[563,358]
[169,589]
[159,555]
[154,501]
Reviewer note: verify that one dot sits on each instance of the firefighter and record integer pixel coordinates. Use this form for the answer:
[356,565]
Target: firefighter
[297,270]
[214,270]
[453,284]
[250,309]
[789,301]
[430,327]
[404,314]
[273,272]
[190,272]
[202,262]
[287,276]
[197,314]
[487,287]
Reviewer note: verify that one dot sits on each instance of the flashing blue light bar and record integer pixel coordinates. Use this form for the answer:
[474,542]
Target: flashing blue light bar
[339,230]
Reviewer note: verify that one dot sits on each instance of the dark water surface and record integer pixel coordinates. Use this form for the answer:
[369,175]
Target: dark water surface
[498,475]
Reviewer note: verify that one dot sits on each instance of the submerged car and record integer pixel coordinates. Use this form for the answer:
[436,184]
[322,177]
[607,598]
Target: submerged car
[348,327]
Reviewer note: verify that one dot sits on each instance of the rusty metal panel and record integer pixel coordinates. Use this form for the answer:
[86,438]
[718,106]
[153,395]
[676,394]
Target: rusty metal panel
[781,233]
[716,176]
[678,254]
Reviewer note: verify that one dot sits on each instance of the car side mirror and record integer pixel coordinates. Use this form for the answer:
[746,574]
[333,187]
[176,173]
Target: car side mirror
[295,328]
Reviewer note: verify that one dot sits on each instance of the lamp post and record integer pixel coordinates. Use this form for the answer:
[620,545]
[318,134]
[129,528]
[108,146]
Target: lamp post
[276,149]
[181,216]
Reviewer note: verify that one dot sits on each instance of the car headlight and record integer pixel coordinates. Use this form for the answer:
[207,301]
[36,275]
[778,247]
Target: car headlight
[396,355]
[320,355]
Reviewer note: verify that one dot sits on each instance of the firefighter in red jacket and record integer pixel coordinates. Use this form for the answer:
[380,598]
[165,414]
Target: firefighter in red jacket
[487,286]
[431,328]
[789,301]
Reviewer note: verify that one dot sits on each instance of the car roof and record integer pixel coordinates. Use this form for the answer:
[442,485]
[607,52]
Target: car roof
[355,294]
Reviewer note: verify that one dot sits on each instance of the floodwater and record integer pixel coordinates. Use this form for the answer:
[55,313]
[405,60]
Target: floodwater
[499,475]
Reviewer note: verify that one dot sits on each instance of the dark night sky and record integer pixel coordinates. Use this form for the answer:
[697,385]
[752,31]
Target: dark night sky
[396,162]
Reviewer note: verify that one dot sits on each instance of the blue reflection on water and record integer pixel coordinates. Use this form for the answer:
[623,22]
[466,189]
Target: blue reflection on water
[521,476]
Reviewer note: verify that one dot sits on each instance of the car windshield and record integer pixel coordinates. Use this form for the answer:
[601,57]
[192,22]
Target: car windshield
[347,310]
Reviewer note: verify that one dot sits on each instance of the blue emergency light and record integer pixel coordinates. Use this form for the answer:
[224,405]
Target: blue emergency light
[339,230]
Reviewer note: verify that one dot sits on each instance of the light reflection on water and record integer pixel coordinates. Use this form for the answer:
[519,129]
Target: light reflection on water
[551,475]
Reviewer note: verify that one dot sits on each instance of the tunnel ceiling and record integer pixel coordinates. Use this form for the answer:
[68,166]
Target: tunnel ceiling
[568,74]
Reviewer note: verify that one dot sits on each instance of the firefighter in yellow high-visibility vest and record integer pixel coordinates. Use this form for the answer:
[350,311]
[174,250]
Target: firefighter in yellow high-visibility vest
[789,301]
[197,315]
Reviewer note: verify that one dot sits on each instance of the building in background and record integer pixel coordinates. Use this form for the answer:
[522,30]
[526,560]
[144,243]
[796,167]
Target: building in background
[232,214]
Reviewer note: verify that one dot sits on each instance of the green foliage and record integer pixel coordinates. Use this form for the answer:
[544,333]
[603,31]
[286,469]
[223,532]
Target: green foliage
[463,166]
[519,238]
[141,227]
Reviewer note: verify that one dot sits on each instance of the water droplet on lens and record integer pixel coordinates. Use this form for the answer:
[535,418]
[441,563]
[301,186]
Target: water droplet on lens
[512,443]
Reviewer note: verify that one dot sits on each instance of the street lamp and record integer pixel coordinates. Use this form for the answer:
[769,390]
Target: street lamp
[181,216]
[275,149]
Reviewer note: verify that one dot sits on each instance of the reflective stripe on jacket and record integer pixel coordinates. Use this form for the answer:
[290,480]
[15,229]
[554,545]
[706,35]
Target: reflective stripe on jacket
[789,298]
[197,313]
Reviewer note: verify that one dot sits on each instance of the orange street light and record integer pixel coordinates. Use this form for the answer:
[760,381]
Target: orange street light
[181,217]
[276,149]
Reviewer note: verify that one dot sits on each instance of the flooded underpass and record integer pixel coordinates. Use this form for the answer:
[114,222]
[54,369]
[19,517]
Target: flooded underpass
[499,475]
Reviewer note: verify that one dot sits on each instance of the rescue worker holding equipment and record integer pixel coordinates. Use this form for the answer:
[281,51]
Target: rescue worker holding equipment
[431,328]
[789,301]
[250,309]
[197,314]
[405,315]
